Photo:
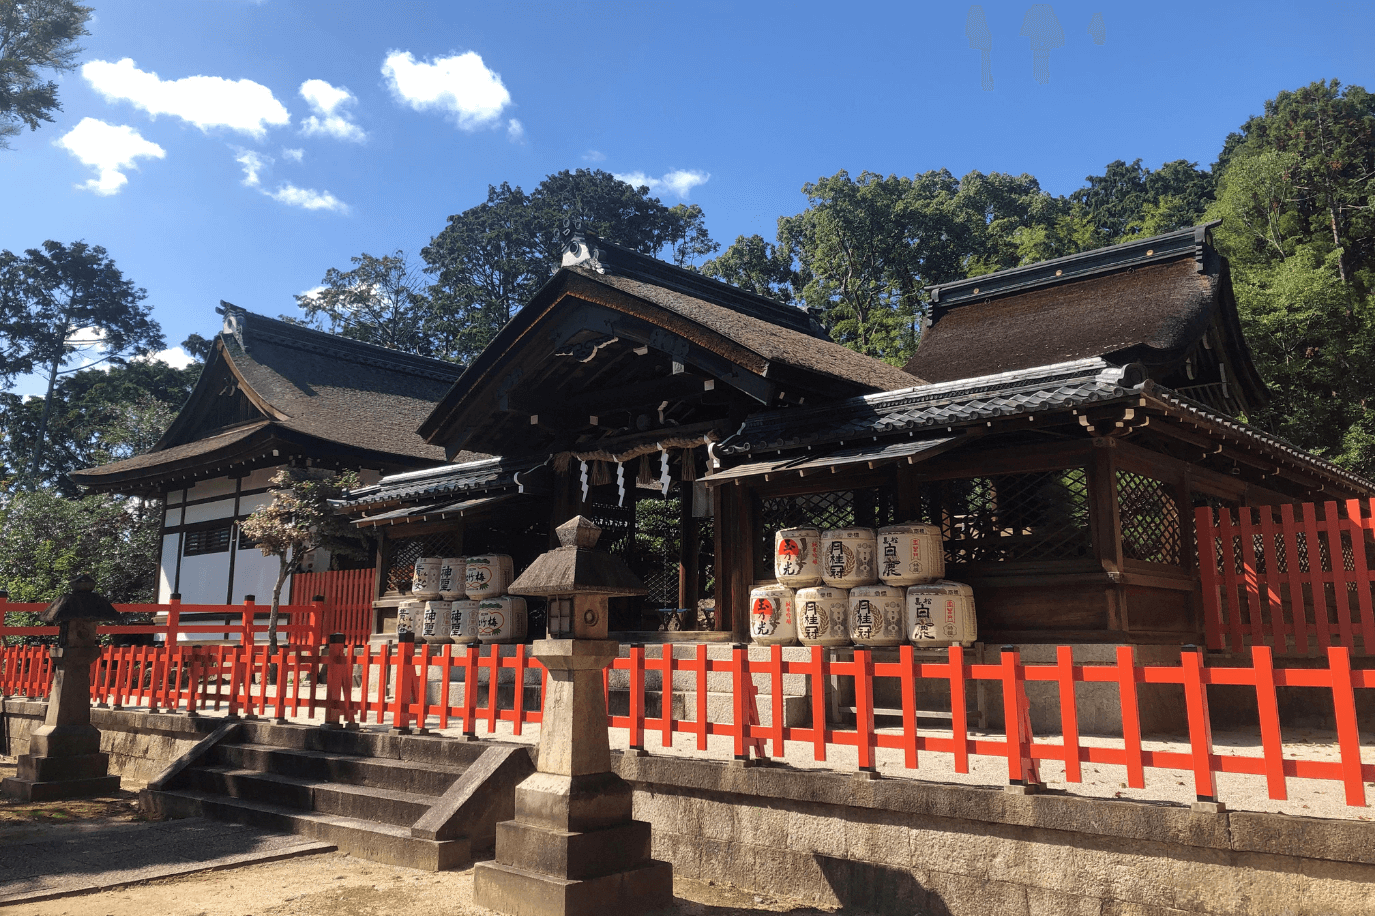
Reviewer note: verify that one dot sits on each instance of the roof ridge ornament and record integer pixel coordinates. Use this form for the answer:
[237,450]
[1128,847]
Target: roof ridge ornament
[233,321]
[579,244]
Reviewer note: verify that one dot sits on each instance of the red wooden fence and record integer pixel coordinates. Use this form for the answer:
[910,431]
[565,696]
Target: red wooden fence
[1298,583]
[348,595]
[313,681]
[298,624]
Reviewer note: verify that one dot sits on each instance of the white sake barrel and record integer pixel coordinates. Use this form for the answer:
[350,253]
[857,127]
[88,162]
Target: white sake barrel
[910,554]
[876,615]
[425,579]
[847,557]
[463,621]
[434,621]
[501,619]
[772,618]
[487,576]
[452,578]
[407,615]
[941,614]
[821,616]
[797,557]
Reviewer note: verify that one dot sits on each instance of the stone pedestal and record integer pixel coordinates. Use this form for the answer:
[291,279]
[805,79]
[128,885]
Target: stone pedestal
[573,847]
[64,759]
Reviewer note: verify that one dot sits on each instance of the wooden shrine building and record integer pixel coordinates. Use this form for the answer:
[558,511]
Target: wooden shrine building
[272,394]
[1058,421]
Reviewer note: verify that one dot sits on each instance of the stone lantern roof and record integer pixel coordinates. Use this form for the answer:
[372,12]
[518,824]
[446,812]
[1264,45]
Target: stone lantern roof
[577,568]
[83,602]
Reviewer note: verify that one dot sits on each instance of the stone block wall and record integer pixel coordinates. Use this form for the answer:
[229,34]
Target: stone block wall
[901,846]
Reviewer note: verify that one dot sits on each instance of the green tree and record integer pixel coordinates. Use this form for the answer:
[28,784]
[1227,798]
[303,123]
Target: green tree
[1130,201]
[381,301]
[35,35]
[755,266]
[96,416]
[298,520]
[64,302]
[1295,198]
[489,260]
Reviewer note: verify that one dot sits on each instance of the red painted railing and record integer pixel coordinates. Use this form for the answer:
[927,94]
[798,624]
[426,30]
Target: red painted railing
[348,595]
[302,625]
[1298,583]
[310,681]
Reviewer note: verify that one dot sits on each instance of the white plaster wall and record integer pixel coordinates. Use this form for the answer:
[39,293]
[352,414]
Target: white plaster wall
[204,578]
[172,518]
[255,574]
[260,478]
[222,508]
[216,486]
[167,569]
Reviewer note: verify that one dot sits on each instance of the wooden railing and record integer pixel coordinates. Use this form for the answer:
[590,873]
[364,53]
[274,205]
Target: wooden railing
[299,625]
[348,595]
[1296,579]
[319,682]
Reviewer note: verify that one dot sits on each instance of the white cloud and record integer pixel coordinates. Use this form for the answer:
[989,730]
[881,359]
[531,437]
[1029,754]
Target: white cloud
[515,131]
[205,101]
[107,148]
[175,357]
[593,155]
[253,165]
[295,155]
[460,84]
[307,198]
[679,181]
[329,119]
[312,293]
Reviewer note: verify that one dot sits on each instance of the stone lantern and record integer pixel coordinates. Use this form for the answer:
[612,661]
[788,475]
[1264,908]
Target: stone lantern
[64,759]
[577,580]
[573,847]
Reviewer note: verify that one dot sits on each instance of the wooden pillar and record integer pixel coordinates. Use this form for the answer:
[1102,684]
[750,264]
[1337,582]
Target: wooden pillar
[687,557]
[566,501]
[1105,523]
[734,558]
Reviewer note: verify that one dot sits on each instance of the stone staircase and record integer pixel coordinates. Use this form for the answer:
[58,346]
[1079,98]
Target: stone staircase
[414,800]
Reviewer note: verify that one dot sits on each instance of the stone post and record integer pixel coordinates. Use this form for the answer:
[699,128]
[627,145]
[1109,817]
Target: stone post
[573,847]
[64,759]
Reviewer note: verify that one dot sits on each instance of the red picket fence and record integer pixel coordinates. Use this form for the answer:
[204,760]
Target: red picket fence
[348,595]
[310,681]
[301,625]
[1299,583]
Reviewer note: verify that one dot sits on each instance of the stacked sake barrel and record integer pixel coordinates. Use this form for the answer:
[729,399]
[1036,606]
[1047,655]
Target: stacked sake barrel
[855,585]
[463,600]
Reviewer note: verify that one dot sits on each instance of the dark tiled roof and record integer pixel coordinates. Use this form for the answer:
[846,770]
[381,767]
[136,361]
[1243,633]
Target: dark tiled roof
[1147,301]
[1025,392]
[210,445]
[433,483]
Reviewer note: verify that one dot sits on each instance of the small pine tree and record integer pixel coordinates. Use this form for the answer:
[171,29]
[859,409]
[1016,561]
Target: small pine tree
[298,520]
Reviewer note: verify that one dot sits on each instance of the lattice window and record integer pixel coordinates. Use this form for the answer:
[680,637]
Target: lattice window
[206,541]
[617,524]
[1012,517]
[832,509]
[405,551]
[655,555]
[1150,519]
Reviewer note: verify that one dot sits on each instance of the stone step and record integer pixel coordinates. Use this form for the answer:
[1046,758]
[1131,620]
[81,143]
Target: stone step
[348,769]
[368,803]
[372,741]
[385,843]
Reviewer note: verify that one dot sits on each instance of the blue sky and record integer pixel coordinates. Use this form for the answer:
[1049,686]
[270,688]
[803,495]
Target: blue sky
[236,150]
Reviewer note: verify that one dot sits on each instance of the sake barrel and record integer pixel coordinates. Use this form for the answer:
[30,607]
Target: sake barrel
[487,576]
[910,554]
[425,579]
[407,614]
[847,557]
[772,618]
[452,578]
[463,621]
[501,619]
[821,616]
[876,615]
[434,622]
[941,613]
[797,557]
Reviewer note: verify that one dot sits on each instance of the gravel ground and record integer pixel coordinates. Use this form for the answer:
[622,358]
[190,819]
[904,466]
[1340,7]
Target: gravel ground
[333,884]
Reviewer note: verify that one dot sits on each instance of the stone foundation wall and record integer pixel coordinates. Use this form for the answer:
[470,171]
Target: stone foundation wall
[900,846]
